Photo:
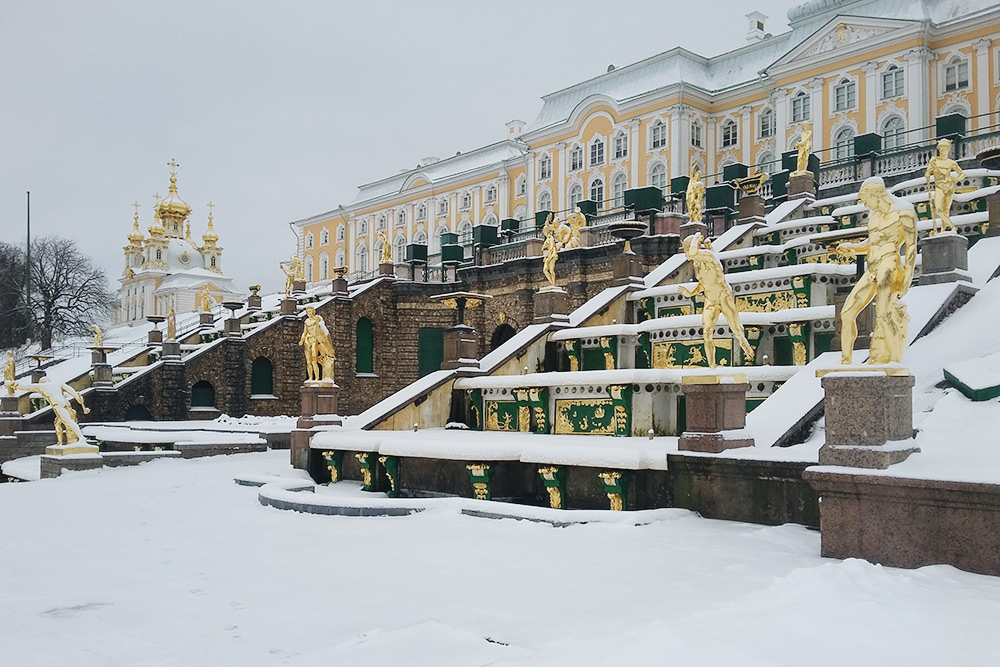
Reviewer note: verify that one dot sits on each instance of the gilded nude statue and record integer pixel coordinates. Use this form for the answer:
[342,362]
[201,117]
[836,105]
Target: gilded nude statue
[718,295]
[694,195]
[58,396]
[9,373]
[205,298]
[892,229]
[98,335]
[550,251]
[293,272]
[386,248]
[318,347]
[804,147]
[947,174]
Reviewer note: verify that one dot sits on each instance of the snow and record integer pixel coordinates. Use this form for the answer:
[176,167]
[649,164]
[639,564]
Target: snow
[977,374]
[601,378]
[191,569]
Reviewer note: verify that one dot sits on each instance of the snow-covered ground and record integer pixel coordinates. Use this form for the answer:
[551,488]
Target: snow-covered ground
[171,563]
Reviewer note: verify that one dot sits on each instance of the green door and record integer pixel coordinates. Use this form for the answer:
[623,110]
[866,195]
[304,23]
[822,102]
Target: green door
[430,350]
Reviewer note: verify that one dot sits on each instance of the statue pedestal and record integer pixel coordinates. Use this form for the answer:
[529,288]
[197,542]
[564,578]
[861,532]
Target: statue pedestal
[692,228]
[716,413]
[751,209]
[10,416]
[944,258]
[171,348]
[339,287]
[867,408]
[52,465]
[8,405]
[288,306]
[551,305]
[298,286]
[100,365]
[460,347]
[234,326]
[254,302]
[667,222]
[801,185]
[387,269]
[154,337]
[993,208]
[626,268]
[319,403]
[206,319]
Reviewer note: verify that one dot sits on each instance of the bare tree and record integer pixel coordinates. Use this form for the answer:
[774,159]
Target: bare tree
[13,319]
[68,291]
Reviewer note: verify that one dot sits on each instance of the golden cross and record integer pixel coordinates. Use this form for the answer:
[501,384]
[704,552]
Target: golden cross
[211,208]
[135,205]
[156,196]
[173,166]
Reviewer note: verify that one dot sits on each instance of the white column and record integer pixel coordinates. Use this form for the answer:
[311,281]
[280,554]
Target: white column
[918,92]
[746,134]
[710,146]
[559,182]
[780,98]
[503,206]
[677,122]
[634,147]
[529,181]
[982,47]
[871,96]
[816,113]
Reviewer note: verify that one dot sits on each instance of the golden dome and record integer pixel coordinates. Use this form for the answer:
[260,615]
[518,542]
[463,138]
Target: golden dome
[173,207]
[210,237]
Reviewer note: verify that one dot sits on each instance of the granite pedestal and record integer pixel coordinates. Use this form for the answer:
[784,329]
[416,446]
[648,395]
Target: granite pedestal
[254,302]
[387,270]
[751,209]
[288,306]
[944,258]
[171,348]
[802,185]
[993,208]
[551,304]
[298,286]
[319,404]
[667,223]
[716,413]
[692,228]
[626,268]
[154,337]
[459,347]
[234,326]
[206,319]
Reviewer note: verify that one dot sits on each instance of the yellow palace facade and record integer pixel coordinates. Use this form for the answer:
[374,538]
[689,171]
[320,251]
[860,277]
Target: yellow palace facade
[845,68]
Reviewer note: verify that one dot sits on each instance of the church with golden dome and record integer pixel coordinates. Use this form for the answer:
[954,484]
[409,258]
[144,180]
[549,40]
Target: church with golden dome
[168,269]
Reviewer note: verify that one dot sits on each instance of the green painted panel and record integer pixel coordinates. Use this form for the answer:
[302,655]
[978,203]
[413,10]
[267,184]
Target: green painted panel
[430,350]
[364,347]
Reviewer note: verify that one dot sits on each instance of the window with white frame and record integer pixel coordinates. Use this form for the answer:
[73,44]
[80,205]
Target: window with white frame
[309,240]
[658,178]
[422,212]
[324,237]
[956,74]
[892,82]
[400,249]
[621,145]
[340,232]
[730,135]
[843,144]
[696,134]
[576,158]
[618,187]
[381,222]
[845,95]
[597,152]
[362,257]
[466,201]
[892,132]
[658,135]
[545,202]
[766,164]
[401,217]
[520,186]
[340,258]
[363,227]
[324,267]
[308,269]
[766,123]
[597,192]
[491,194]
[800,107]
[545,167]
[442,206]
[575,196]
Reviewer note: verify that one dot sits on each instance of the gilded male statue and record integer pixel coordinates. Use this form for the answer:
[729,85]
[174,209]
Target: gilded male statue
[98,335]
[386,248]
[804,147]
[718,295]
[9,372]
[694,195]
[206,299]
[292,273]
[59,395]
[317,346]
[550,251]
[892,229]
[947,174]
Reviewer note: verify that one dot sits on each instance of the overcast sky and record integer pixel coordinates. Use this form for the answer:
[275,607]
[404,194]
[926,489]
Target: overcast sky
[278,111]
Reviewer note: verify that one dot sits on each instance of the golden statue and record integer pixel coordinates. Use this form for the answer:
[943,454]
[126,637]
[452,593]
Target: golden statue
[804,146]
[386,248]
[318,347]
[292,273]
[58,396]
[947,174]
[9,373]
[718,295]
[171,323]
[568,233]
[892,224]
[98,335]
[695,193]
[205,299]
[550,250]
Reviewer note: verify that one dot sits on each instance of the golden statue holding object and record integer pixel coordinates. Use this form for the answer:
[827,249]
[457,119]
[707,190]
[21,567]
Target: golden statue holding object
[205,299]
[318,348]
[718,295]
[804,147]
[892,224]
[694,195]
[98,335]
[58,396]
[386,248]
[293,272]
[550,250]
[947,174]
[9,373]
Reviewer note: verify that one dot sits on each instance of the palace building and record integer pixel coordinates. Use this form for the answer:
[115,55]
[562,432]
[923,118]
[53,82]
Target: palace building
[168,268]
[865,75]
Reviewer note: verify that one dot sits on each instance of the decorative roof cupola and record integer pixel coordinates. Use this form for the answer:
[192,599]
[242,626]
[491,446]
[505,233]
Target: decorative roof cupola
[156,244]
[133,251]
[211,252]
[173,211]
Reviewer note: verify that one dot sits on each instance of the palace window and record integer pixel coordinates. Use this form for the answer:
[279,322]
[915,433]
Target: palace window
[696,134]
[844,144]
[800,107]
[597,152]
[576,158]
[545,167]
[401,218]
[340,233]
[309,241]
[845,95]
[618,187]
[766,123]
[324,267]
[466,201]
[362,266]
[597,192]
[658,178]
[892,82]
[491,194]
[621,145]
[443,207]
[892,132]
[324,237]
[520,186]
[767,164]
[658,135]
[545,202]
[421,212]
[956,74]
[730,134]
[381,222]
[400,249]
[575,196]
[363,227]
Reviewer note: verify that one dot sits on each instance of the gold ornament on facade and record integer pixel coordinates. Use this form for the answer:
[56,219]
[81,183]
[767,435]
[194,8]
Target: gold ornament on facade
[694,195]
[59,396]
[334,474]
[318,347]
[366,473]
[804,147]
[947,174]
[718,294]
[611,479]
[549,473]
[892,228]
[392,480]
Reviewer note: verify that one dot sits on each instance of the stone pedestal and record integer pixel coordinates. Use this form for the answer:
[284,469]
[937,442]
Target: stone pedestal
[865,322]
[692,228]
[234,326]
[802,185]
[459,347]
[288,306]
[171,348]
[993,206]
[102,375]
[667,223]
[154,337]
[716,413]
[339,287]
[387,269]
[626,268]
[751,209]
[254,302]
[319,403]
[868,409]
[298,286]
[53,465]
[10,416]
[8,405]
[206,319]
[533,247]
[944,258]
[551,304]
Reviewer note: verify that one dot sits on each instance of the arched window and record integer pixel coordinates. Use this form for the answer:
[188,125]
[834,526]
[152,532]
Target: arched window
[956,74]
[364,347]
[520,186]
[324,266]
[696,134]
[892,132]
[401,217]
[845,95]
[658,177]
[203,395]
[362,264]
[844,144]
[800,107]
[575,196]
[381,222]
[309,240]
[730,135]
[400,249]
[766,123]
[324,237]
[491,194]
[545,202]
[340,232]
[442,206]
[466,201]
[621,145]
[618,187]
[893,84]
[576,158]
[261,377]
[377,251]
[767,164]
[340,258]
[597,152]
[308,269]
[363,227]
[658,135]
[545,167]
[597,192]
[421,212]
